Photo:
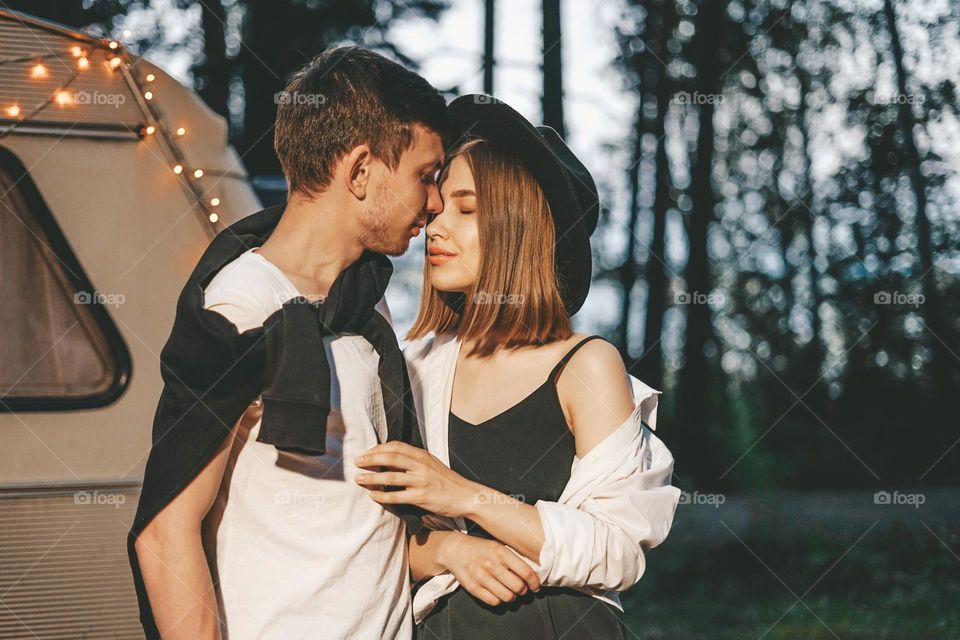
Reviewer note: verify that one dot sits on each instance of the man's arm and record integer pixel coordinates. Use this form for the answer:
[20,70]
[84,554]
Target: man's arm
[174,567]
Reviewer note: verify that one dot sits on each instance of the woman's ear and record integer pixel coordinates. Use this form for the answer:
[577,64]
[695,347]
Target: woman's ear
[357,167]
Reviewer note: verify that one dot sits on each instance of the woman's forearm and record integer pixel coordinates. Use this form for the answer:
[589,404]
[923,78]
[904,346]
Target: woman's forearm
[512,522]
[426,553]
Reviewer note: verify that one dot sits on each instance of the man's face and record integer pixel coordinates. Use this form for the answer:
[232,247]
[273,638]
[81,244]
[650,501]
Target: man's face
[402,199]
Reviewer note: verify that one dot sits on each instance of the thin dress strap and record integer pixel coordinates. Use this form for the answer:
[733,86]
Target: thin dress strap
[566,358]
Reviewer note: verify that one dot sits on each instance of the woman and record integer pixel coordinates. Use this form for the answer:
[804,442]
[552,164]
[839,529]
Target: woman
[535,447]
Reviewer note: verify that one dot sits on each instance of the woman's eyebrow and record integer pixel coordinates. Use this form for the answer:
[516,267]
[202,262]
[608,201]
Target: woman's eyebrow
[463,193]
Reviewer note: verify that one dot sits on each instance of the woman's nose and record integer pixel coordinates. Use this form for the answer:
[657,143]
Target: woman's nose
[434,201]
[437,227]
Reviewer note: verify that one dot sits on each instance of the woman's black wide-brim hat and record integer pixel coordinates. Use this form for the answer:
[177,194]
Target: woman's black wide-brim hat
[566,183]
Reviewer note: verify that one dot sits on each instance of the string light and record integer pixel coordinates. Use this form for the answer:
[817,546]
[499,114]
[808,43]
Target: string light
[62,98]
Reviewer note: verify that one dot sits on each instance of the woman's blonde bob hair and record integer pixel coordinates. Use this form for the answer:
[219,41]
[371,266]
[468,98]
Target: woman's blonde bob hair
[515,300]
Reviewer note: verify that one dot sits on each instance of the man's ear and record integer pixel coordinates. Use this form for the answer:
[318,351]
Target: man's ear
[357,166]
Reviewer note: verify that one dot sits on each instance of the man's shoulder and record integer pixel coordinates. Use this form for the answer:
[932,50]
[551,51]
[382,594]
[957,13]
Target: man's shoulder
[246,292]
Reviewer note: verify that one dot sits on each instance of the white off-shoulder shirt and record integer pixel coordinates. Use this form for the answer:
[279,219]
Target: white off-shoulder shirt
[618,503]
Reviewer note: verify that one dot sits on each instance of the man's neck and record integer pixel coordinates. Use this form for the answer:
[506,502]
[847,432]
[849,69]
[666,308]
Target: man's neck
[312,244]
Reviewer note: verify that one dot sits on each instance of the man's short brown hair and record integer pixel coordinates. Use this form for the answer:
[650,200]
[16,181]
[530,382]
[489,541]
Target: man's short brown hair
[346,97]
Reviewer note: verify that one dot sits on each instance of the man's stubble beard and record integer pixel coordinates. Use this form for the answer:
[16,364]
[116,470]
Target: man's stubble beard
[376,234]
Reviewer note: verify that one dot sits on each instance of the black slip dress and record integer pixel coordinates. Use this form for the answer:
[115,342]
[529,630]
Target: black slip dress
[525,451]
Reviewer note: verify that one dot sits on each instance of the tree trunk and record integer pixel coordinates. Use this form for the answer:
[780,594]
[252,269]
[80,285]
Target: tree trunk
[552,67]
[213,76]
[263,79]
[694,408]
[489,30]
[935,323]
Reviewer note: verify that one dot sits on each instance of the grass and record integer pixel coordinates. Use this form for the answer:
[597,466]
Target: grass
[893,584]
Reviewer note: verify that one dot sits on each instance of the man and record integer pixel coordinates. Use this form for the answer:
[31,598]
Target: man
[297,549]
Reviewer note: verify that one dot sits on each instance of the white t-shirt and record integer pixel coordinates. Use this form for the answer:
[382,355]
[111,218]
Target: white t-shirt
[302,551]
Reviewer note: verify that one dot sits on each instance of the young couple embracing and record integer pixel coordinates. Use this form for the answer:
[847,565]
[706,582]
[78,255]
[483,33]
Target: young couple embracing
[499,478]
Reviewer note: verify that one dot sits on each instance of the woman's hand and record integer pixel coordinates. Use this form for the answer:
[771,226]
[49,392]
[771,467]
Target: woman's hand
[487,569]
[425,481]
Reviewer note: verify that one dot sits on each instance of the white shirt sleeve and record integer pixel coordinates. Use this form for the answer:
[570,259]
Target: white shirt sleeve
[618,504]
[240,307]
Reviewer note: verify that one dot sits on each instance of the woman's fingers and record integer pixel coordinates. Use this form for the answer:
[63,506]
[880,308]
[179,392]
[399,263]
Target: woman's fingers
[395,478]
[386,459]
[521,569]
[492,583]
[482,593]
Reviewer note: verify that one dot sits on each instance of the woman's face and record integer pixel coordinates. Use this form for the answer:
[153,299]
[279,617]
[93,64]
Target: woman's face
[453,243]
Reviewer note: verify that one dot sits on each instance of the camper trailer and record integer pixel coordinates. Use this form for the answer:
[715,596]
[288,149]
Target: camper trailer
[113,180]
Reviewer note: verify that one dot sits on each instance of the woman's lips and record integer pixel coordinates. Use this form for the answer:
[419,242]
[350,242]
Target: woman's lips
[438,259]
[437,256]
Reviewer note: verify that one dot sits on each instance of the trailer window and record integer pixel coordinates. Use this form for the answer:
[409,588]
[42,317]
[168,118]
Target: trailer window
[59,348]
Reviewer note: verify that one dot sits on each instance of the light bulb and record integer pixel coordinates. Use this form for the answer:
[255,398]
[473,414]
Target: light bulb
[115,62]
[198,173]
[63,98]
[38,71]
[150,130]
[181,131]
[151,77]
[178,169]
[214,217]
[114,44]
[76,51]
[83,63]
[214,202]
[148,95]
[13,111]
